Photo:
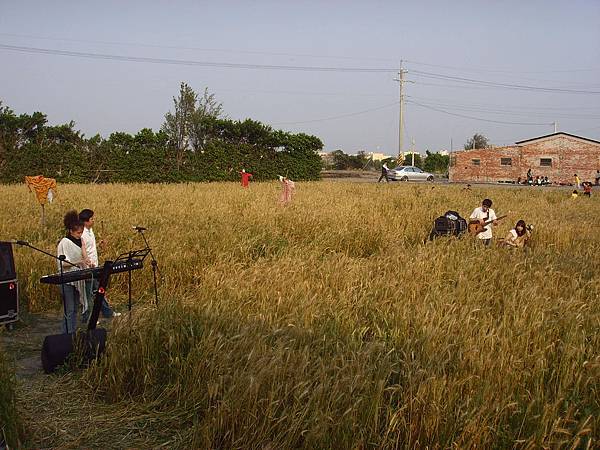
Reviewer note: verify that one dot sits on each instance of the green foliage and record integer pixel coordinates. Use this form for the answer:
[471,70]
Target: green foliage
[436,163]
[477,141]
[342,161]
[10,424]
[408,160]
[194,144]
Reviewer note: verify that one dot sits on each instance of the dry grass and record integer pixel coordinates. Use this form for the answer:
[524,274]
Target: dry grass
[330,323]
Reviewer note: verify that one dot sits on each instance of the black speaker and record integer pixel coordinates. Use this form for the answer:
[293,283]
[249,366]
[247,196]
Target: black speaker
[58,347]
[9,301]
[7,262]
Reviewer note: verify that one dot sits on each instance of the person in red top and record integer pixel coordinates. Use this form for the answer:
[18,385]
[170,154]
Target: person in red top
[245,178]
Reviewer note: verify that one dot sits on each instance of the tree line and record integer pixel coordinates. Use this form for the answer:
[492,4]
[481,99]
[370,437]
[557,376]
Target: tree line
[195,143]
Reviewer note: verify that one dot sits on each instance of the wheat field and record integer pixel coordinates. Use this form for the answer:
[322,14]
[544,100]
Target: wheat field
[329,323]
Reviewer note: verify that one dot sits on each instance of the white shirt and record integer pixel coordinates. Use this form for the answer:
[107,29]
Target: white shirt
[479,214]
[74,255]
[89,240]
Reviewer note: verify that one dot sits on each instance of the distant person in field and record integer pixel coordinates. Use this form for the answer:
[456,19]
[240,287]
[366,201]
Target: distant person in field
[577,181]
[287,190]
[88,238]
[484,214]
[518,236]
[73,293]
[574,194]
[245,178]
[529,176]
[587,189]
[384,173]
[597,177]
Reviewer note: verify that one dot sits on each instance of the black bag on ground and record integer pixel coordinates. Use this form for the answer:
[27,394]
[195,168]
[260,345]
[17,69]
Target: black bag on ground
[57,348]
[450,224]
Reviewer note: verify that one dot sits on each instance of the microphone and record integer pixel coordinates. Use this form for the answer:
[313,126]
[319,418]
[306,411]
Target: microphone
[136,228]
[13,241]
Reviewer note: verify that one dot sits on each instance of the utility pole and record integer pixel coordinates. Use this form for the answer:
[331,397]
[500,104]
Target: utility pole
[400,80]
[412,152]
[555,126]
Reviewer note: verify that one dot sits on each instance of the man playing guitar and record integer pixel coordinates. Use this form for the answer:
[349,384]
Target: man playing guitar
[486,217]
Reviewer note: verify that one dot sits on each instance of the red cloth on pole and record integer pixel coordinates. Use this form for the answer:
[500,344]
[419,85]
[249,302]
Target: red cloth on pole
[245,178]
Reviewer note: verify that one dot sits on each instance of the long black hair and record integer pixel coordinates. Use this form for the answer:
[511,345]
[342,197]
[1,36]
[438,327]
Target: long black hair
[522,224]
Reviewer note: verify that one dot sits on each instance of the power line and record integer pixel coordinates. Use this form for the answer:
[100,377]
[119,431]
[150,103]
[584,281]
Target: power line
[203,49]
[438,76]
[107,56]
[474,69]
[514,111]
[543,108]
[475,118]
[340,116]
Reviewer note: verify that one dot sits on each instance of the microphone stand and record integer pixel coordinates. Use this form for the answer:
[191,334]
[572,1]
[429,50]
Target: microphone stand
[154,265]
[61,259]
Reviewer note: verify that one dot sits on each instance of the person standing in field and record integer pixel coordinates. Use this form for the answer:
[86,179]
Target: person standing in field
[88,238]
[287,190]
[577,181]
[71,247]
[245,178]
[587,189]
[484,214]
[384,173]
[597,177]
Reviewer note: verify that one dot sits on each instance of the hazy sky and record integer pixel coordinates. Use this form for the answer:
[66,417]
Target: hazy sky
[547,52]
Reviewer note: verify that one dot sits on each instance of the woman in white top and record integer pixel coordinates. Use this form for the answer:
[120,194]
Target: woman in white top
[518,236]
[74,252]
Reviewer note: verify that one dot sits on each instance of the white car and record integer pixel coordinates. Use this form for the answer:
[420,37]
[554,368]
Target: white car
[409,173]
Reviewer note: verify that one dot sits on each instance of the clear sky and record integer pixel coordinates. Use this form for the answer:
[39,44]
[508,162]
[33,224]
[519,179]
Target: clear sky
[545,52]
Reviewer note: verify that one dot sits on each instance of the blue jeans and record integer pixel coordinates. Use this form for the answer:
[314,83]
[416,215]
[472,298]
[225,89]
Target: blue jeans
[71,305]
[91,286]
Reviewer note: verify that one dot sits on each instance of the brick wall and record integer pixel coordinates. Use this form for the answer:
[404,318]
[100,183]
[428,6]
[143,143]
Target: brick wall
[568,155]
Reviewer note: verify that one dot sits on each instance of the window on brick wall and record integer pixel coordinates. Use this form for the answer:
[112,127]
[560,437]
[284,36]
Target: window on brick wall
[506,161]
[546,162]
[476,162]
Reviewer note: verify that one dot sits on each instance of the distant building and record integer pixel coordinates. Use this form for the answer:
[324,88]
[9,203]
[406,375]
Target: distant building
[557,156]
[378,156]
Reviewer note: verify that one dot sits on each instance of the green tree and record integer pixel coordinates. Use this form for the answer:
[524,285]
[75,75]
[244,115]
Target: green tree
[477,141]
[178,124]
[435,162]
[208,108]
[407,160]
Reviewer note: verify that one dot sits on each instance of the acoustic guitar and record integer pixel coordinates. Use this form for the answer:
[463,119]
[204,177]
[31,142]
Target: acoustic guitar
[475,227]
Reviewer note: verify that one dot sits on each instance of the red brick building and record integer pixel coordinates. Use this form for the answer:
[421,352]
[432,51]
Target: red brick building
[557,156]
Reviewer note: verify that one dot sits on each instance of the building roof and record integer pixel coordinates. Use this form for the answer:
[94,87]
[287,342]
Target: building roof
[557,134]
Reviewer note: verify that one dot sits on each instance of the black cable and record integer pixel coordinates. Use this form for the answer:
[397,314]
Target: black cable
[476,118]
[108,56]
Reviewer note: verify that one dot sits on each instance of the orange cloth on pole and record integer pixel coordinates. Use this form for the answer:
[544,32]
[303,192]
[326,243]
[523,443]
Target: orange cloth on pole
[41,186]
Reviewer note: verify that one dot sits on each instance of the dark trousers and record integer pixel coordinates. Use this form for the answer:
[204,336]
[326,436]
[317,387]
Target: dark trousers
[383,175]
